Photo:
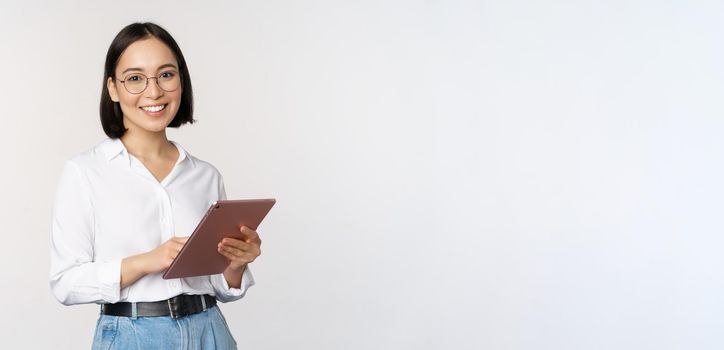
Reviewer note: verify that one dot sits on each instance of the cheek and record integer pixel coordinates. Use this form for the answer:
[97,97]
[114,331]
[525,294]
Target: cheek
[128,107]
[176,96]
[176,101]
[128,100]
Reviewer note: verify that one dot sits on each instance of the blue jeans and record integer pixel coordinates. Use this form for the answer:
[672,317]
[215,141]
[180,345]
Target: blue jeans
[204,330]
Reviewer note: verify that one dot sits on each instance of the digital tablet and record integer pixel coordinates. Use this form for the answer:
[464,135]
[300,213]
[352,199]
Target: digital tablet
[199,256]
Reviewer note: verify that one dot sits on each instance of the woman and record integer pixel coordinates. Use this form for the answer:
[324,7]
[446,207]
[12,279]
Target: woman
[123,210]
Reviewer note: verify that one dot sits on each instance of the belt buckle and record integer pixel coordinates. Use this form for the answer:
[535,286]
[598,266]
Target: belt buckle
[172,309]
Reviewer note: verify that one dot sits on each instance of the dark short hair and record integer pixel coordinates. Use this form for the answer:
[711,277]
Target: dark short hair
[111,114]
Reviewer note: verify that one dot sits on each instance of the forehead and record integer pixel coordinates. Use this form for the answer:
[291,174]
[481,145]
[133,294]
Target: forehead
[147,54]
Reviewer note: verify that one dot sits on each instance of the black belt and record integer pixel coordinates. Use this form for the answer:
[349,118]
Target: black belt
[176,307]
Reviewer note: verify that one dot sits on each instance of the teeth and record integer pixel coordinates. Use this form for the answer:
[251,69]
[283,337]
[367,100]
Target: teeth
[153,108]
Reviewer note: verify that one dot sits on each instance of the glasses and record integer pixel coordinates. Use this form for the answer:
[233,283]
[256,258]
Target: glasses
[137,83]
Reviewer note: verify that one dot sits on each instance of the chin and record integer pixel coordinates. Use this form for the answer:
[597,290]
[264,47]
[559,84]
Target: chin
[157,128]
[150,127]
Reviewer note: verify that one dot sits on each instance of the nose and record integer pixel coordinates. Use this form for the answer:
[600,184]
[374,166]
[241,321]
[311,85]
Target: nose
[153,90]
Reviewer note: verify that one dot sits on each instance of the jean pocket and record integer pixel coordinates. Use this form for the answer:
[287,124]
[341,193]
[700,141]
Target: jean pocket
[106,330]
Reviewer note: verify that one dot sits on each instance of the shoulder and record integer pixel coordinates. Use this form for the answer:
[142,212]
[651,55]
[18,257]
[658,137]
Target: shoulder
[75,170]
[205,167]
[95,155]
[199,165]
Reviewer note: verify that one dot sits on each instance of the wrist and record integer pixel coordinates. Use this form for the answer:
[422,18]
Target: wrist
[236,270]
[234,275]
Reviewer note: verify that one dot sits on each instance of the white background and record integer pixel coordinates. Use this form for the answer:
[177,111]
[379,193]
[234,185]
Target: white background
[449,174]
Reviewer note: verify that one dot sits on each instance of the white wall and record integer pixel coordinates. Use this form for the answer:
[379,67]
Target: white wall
[450,175]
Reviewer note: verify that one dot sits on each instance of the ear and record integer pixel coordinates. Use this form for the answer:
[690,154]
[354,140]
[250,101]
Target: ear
[112,90]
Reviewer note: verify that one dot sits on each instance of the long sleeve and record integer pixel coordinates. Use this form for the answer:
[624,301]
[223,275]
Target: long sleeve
[75,277]
[221,288]
[108,206]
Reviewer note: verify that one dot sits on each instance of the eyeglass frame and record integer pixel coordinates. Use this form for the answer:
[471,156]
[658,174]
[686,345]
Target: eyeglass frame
[147,79]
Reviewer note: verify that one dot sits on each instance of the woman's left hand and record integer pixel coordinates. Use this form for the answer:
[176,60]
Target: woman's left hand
[240,252]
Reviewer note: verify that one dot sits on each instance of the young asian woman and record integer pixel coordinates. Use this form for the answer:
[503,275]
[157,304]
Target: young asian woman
[124,208]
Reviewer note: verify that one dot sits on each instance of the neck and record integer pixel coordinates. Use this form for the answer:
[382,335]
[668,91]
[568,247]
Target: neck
[146,145]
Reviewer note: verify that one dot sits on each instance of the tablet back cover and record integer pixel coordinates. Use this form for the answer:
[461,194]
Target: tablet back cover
[199,256]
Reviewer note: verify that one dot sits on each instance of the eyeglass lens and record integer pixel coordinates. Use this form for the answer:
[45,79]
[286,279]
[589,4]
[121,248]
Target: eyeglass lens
[137,83]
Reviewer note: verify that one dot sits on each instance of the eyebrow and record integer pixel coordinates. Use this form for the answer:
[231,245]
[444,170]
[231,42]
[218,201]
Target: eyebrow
[167,65]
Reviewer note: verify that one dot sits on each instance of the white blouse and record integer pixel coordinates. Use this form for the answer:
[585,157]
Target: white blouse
[108,206]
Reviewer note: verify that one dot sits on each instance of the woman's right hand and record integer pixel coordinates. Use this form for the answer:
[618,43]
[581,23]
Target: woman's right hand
[160,259]
[157,260]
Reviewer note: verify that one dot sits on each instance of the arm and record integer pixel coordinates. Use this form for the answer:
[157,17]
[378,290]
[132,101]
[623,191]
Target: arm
[233,277]
[158,260]
[75,278]
[233,283]
[240,254]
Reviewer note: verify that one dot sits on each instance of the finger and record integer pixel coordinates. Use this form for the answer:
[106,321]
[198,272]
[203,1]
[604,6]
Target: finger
[173,251]
[231,250]
[237,254]
[175,245]
[251,248]
[246,255]
[250,234]
[235,243]
[225,254]
[243,259]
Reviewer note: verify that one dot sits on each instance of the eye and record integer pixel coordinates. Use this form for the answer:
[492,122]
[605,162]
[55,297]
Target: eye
[167,75]
[134,78]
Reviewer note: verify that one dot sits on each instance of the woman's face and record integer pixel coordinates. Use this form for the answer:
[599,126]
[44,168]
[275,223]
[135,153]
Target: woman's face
[153,109]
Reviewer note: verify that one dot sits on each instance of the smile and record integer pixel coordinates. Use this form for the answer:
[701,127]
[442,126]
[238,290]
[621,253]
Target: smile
[153,109]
